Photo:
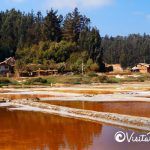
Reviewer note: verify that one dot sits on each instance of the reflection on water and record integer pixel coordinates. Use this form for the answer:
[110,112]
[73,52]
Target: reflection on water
[128,108]
[37,131]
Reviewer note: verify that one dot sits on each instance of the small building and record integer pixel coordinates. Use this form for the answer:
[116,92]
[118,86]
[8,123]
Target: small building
[46,72]
[141,67]
[114,68]
[37,73]
[7,66]
[135,69]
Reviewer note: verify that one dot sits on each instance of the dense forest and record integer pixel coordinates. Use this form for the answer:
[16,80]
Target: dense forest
[65,42]
[128,51]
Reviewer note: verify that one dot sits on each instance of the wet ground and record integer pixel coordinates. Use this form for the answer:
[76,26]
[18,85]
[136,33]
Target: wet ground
[21,130]
[101,92]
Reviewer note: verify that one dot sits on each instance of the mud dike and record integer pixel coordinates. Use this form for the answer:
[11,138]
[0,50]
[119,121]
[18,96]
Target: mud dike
[142,123]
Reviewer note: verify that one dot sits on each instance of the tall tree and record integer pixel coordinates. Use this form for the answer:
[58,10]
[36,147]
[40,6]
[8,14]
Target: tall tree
[52,26]
[9,30]
[74,23]
[38,27]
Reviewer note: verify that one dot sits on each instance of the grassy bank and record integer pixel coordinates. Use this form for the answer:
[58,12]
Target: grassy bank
[75,79]
[85,79]
[7,81]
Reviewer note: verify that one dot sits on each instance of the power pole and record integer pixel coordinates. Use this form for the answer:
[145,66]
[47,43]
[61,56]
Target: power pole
[82,68]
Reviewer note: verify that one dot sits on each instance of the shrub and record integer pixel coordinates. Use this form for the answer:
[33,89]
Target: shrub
[141,79]
[89,63]
[103,78]
[113,80]
[94,67]
[4,80]
[51,80]
[92,74]
[36,81]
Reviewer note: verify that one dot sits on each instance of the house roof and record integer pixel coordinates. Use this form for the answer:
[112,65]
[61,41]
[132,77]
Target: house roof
[115,65]
[135,68]
[144,64]
[8,61]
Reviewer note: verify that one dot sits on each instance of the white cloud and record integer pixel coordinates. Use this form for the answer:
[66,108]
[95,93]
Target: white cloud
[16,1]
[62,4]
[138,13]
[142,14]
[147,16]
[96,3]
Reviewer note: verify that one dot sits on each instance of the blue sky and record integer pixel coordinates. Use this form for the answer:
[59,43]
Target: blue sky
[111,17]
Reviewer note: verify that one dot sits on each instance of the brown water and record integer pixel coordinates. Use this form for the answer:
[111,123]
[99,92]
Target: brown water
[129,108]
[37,131]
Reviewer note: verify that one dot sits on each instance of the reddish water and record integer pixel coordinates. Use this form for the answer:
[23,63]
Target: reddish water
[36,131]
[128,108]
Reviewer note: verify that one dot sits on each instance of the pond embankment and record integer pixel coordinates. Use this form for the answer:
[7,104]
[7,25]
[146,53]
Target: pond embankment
[142,123]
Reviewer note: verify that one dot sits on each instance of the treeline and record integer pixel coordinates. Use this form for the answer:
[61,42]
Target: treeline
[65,42]
[34,38]
[128,51]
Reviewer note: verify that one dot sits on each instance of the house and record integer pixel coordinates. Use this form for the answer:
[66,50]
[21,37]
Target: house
[141,67]
[46,72]
[135,69]
[38,73]
[7,66]
[114,68]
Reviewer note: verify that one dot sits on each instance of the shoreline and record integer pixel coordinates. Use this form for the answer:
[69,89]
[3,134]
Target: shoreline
[137,92]
[141,123]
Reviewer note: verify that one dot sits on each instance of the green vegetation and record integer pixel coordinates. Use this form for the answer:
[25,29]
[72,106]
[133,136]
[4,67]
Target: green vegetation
[82,79]
[7,81]
[65,43]
[51,41]
[35,81]
[111,80]
[89,78]
[128,51]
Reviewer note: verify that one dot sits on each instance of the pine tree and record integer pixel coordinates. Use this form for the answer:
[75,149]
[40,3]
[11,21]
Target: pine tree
[52,26]
[74,23]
